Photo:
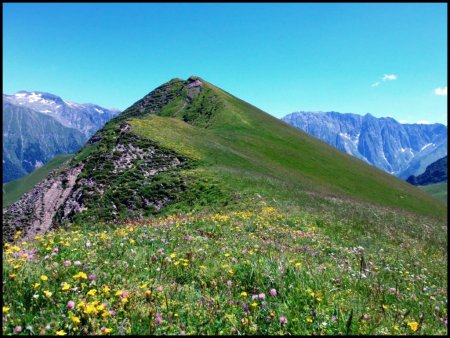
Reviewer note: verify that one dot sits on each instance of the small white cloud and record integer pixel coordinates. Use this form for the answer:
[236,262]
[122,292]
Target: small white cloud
[441,91]
[389,77]
[423,122]
[403,121]
[376,84]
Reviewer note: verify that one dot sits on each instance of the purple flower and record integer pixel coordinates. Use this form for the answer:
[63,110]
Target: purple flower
[70,305]
[91,277]
[154,259]
[56,250]
[187,238]
[229,283]
[273,292]
[67,263]
[244,306]
[283,320]
[124,294]
[160,251]
[262,296]
[255,297]
[234,259]
[112,313]
[158,319]
[333,319]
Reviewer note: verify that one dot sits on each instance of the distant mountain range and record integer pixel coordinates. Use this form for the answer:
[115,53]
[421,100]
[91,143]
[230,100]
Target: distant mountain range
[436,172]
[38,126]
[399,149]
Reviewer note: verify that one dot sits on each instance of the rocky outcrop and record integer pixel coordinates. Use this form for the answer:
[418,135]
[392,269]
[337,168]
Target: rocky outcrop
[34,213]
[120,177]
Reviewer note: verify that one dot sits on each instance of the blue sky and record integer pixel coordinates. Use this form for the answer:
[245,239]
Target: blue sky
[383,59]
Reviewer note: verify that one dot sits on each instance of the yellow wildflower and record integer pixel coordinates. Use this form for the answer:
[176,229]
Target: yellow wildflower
[119,293]
[60,333]
[65,287]
[5,309]
[172,255]
[202,267]
[143,286]
[309,319]
[413,326]
[298,264]
[44,278]
[48,293]
[92,292]
[254,304]
[227,255]
[90,309]
[108,330]
[244,294]
[106,289]
[80,275]
[75,320]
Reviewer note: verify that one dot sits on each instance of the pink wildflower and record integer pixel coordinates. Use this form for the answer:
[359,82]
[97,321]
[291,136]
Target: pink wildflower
[262,296]
[273,292]
[70,305]
[283,320]
[158,319]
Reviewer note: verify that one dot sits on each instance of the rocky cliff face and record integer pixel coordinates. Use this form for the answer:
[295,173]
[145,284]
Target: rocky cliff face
[399,149]
[436,172]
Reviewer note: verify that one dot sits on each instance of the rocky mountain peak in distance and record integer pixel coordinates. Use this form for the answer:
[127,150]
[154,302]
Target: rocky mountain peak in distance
[84,117]
[399,149]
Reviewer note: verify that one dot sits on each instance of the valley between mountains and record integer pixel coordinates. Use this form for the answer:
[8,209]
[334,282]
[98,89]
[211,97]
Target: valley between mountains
[194,212]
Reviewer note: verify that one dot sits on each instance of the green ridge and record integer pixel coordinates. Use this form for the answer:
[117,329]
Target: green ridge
[244,146]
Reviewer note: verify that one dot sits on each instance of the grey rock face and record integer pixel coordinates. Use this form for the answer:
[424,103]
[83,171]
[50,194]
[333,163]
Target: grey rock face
[399,149]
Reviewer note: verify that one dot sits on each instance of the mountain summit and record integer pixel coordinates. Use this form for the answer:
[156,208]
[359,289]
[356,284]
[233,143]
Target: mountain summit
[189,146]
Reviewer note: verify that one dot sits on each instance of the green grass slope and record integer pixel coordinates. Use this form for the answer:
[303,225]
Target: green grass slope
[438,190]
[250,150]
[13,190]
